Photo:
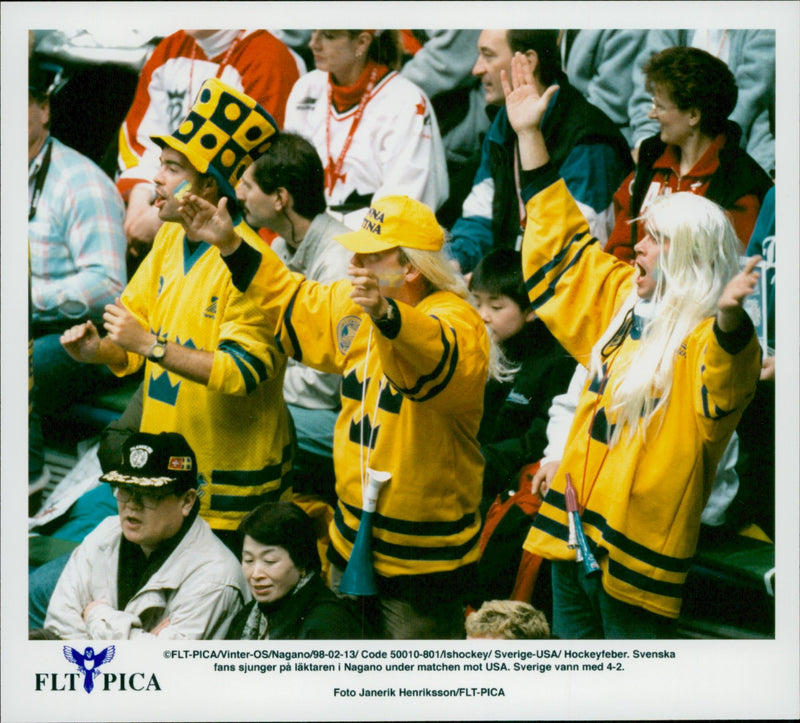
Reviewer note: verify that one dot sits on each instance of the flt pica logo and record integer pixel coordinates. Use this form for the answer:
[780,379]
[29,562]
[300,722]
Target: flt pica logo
[89,663]
[89,676]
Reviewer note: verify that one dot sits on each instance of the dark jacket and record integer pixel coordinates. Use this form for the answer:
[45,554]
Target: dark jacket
[313,612]
[583,143]
[513,429]
[738,174]
[573,121]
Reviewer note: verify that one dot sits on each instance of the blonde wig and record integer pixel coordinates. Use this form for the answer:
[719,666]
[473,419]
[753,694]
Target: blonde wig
[437,269]
[699,254]
[440,274]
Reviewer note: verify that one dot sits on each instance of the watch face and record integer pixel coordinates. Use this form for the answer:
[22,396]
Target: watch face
[158,351]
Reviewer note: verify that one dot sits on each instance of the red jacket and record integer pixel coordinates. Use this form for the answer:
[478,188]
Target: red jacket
[664,177]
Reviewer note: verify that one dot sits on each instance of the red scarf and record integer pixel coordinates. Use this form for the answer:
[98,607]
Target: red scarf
[347,96]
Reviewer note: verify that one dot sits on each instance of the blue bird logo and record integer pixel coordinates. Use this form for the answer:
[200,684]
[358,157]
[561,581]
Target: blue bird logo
[89,662]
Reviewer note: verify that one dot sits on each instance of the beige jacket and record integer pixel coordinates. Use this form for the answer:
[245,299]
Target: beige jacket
[199,587]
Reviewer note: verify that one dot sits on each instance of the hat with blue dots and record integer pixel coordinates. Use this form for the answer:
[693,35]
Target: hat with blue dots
[223,133]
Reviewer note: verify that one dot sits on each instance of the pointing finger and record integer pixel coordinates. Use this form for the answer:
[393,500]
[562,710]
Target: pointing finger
[752,262]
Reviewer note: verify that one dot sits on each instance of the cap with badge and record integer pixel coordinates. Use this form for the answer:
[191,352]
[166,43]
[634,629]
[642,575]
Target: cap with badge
[151,462]
[394,221]
[223,133]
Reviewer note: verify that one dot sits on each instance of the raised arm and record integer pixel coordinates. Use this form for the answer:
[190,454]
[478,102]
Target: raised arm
[526,109]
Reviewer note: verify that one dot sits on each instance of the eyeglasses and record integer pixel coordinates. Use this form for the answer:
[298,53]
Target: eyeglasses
[659,107]
[127,496]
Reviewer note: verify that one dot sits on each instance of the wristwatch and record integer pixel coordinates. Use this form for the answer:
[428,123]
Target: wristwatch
[158,350]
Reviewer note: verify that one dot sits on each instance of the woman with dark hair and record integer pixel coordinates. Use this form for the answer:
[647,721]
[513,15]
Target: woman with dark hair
[696,150]
[374,130]
[282,567]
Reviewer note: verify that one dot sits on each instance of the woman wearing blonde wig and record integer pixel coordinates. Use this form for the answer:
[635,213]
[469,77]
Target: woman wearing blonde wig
[673,362]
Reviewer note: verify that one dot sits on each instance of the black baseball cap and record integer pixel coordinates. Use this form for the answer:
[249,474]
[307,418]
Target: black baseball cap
[151,462]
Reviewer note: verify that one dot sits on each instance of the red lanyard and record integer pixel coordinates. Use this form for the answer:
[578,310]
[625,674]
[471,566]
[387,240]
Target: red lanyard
[584,501]
[333,170]
[222,63]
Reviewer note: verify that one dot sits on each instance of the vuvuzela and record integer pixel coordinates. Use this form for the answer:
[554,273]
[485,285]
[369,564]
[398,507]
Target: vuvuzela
[359,577]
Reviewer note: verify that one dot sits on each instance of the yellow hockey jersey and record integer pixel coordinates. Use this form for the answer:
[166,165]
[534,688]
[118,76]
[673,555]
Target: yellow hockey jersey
[238,425]
[643,497]
[411,406]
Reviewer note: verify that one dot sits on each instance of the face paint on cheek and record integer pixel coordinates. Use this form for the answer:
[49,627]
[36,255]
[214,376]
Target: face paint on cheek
[181,190]
[392,279]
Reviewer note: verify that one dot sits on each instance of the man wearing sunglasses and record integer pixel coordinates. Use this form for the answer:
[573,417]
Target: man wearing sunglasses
[156,569]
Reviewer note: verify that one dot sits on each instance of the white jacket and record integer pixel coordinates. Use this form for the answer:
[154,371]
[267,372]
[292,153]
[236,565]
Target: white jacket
[199,587]
[396,149]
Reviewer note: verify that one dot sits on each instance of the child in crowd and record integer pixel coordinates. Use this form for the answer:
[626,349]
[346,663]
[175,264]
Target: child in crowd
[513,429]
[507,620]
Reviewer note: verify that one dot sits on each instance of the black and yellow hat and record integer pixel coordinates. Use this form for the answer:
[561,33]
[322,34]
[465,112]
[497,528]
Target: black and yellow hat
[151,462]
[223,133]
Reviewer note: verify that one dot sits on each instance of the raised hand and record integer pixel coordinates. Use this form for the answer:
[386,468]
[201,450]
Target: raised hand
[730,307]
[124,329]
[366,291]
[205,222]
[524,105]
[81,342]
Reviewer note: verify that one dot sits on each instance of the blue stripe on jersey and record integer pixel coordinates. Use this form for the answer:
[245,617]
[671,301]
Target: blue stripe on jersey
[243,503]
[252,478]
[433,528]
[540,274]
[438,388]
[551,527]
[287,322]
[633,549]
[642,582]
[412,552]
[427,378]
[245,361]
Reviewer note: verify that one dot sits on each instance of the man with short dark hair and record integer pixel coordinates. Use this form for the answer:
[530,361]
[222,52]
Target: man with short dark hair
[585,145]
[156,569]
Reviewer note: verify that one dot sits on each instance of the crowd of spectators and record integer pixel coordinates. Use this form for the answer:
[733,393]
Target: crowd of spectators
[334,258]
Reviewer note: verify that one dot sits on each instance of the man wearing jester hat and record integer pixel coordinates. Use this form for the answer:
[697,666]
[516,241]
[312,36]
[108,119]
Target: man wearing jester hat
[213,371]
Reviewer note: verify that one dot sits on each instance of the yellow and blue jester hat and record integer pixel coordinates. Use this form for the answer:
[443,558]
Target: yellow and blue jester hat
[223,133]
